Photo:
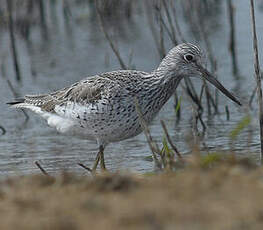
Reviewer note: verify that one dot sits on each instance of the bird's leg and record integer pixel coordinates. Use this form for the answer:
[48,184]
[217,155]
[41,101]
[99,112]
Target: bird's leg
[102,162]
[99,158]
[96,162]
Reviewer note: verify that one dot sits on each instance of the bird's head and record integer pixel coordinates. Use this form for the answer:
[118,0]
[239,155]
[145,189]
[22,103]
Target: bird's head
[186,60]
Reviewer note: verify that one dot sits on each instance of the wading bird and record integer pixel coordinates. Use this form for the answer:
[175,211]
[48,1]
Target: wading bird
[102,107]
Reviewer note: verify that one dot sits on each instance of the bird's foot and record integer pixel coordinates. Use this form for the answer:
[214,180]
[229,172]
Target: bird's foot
[99,159]
[102,163]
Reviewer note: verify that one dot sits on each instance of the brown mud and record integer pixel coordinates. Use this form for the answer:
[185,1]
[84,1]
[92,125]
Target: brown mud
[226,196]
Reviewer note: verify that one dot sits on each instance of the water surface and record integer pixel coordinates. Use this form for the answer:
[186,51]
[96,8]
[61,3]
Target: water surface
[77,48]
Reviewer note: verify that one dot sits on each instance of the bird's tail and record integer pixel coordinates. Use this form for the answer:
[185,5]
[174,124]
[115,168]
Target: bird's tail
[17,103]
[43,105]
[32,102]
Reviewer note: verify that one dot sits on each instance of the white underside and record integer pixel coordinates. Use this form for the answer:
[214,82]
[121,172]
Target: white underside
[61,124]
[73,122]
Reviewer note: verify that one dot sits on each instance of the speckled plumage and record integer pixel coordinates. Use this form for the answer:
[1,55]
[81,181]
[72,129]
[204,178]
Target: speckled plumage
[102,107]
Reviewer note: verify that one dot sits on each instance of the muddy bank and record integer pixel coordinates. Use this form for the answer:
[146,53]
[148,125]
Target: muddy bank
[225,197]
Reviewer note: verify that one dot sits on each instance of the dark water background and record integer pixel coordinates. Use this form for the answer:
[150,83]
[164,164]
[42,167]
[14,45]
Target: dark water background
[76,48]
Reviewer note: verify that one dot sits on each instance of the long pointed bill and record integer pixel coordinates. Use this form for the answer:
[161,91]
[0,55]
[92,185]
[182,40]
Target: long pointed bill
[209,77]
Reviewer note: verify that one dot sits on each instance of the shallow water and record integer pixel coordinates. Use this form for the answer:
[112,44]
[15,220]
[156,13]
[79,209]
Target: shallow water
[78,49]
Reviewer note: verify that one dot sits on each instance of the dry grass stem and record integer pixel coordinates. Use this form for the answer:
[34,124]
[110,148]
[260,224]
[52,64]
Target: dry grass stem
[176,103]
[177,26]
[205,38]
[227,113]
[191,93]
[169,140]
[3,130]
[252,96]
[197,112]
[210,98]
[172,32]
[257,74]
[12,38]
[152,144]
[150,19]
[161,32]
[41,168]
[85,167]
[43,18]
[232,42]
[112,45]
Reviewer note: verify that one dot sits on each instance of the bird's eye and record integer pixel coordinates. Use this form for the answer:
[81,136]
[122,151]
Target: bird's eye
[188,57]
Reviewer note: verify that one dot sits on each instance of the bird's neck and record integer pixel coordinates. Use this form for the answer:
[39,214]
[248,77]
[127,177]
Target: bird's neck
[167,71]
[166,74]
[166,85]
[159,87]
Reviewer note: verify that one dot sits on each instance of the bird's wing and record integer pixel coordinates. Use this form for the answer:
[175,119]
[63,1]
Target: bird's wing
[85,92]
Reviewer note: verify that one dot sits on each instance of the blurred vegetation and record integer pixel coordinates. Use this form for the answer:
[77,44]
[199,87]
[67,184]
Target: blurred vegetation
[227,196]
